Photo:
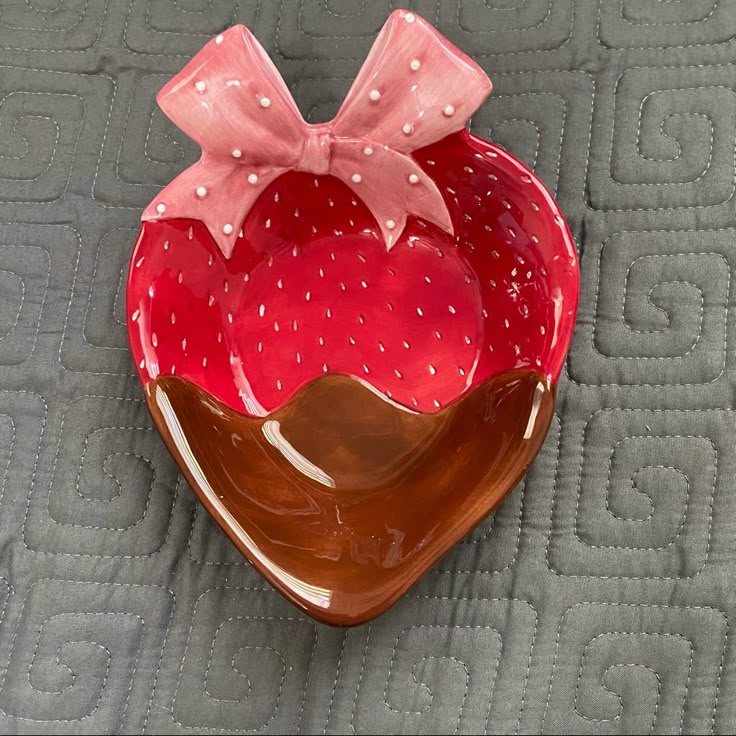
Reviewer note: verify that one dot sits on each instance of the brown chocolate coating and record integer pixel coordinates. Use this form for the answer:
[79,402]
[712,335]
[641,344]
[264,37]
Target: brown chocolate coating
[343,499]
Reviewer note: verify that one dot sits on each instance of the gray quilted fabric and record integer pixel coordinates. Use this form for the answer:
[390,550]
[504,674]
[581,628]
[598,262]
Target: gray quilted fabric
[598,598]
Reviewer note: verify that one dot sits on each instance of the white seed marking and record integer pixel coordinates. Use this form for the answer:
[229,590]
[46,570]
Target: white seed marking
[357,178]
[237,153]
[227,228]
[219,39]
[407,129]
[160,208]
[154,340]
[204,362]
[368,151]
[201,192]
[413,179]
[375,95]
[432,370]
[420,312]
[252,179]
[409,17]
[200,86]
[265,102]
[449,110]
[261,310]
[415,65]
[173,318]
[135,315]
[150,290]
[390,224]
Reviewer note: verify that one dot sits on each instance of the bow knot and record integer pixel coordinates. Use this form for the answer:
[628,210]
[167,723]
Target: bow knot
[316,153]
[414,89]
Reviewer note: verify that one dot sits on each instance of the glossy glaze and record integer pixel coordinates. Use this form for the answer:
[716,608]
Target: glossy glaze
[341,498]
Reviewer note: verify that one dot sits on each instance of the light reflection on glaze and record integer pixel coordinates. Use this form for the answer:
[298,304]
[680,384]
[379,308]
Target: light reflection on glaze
[343,499]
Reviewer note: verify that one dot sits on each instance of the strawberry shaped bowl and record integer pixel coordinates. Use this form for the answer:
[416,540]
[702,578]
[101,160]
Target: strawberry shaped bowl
[348,334]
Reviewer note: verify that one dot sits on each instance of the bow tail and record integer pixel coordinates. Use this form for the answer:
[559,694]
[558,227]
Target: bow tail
[389,196]
[215,192]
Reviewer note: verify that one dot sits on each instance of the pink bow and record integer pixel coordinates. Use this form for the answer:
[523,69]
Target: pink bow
[414,88]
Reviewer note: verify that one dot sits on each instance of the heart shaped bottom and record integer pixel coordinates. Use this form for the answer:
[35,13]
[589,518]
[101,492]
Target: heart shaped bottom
[342,499]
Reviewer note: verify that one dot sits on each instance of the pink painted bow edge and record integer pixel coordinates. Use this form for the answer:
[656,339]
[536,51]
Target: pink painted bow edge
[414,88]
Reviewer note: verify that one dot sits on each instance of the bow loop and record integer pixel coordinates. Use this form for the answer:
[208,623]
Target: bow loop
[233,102]
[414,88]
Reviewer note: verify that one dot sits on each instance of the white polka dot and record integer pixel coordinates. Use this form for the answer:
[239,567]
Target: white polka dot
[375,95]
[252,179]
[408,129]
[160,208]
[201,192]
[200,86]
[227,229]
[390,224]
[237,153]
[265,102]
[415,65]
[449,110]
[409,17]
[219,39]
[357,178]
[368,151]
[413,178]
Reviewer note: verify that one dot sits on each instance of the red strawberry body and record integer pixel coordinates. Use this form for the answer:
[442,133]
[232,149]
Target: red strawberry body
[311,289]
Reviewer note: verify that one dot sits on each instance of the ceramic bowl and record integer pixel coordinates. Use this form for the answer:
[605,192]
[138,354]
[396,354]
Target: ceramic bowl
[349,334]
